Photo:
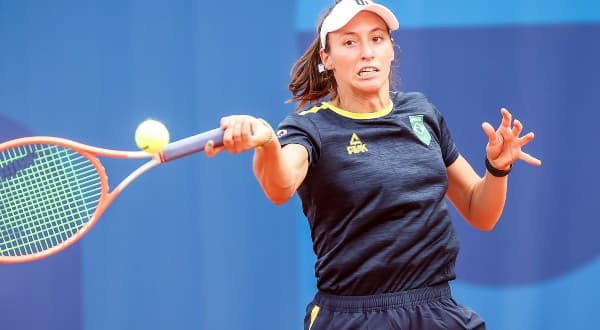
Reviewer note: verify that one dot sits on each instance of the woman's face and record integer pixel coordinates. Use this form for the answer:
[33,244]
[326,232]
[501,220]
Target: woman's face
[360,55]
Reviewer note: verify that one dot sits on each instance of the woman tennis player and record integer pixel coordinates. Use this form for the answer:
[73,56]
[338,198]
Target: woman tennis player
[373,168]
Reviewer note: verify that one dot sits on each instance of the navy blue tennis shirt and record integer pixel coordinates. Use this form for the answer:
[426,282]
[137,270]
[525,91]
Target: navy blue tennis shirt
[374,195]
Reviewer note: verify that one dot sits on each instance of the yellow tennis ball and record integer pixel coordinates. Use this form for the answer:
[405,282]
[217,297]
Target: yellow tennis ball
[151,136]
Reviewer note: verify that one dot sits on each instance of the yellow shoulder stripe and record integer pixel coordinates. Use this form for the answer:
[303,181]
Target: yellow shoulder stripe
[314,109]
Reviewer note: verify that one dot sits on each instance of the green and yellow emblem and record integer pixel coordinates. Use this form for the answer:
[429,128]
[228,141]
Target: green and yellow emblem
[419,128]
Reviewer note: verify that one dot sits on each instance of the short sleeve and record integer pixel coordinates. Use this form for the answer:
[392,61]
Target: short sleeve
[298,129]
[448,147]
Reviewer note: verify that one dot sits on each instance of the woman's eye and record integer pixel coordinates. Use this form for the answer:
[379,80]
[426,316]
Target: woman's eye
[349,42]
[378,38]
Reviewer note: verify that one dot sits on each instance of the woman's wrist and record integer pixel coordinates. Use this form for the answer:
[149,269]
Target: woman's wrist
[495,171]
[267,140]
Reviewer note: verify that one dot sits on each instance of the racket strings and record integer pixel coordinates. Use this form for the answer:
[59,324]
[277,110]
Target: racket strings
[47,194]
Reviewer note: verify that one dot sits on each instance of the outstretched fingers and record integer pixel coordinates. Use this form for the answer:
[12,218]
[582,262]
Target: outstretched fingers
[525,139]
[506,143]
[490,132]
[517,128]
[529,159]
[506,118]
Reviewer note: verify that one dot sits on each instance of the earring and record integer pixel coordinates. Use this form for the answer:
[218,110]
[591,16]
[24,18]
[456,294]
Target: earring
[321,67]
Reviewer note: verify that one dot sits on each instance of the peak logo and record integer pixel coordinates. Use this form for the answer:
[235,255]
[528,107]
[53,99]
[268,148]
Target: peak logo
[356,146]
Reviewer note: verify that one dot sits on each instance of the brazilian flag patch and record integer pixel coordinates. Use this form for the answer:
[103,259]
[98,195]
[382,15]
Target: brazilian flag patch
[418,126]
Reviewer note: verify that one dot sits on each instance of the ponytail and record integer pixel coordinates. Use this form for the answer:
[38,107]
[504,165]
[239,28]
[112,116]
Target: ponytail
[308,83]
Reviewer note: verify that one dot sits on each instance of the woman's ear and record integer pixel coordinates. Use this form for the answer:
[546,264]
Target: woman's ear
[326,60]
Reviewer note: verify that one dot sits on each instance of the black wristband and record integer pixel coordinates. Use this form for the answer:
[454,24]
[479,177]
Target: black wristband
[494,171]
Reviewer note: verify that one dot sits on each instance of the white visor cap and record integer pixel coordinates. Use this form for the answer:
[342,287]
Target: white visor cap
[344,11]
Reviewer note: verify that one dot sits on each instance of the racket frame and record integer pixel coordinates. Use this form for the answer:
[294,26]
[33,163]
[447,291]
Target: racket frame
[172,151]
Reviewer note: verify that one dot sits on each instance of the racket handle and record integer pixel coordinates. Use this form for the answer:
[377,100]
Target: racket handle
[190,145]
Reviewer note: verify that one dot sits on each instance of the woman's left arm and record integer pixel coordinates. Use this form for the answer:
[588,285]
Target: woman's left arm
[481,200]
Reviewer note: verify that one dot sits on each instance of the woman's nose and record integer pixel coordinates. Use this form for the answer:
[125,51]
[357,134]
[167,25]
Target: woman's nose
[366,50]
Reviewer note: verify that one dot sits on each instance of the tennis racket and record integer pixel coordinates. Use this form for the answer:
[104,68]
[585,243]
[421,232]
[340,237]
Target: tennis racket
[54,190]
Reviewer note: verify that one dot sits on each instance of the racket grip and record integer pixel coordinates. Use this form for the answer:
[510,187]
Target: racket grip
[190,145]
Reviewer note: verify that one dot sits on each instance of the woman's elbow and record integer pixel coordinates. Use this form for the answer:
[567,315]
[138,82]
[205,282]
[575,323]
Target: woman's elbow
[487,224]
[486,227]
[279,197]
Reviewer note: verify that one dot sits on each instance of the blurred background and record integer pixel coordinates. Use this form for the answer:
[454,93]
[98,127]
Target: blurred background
[195,244]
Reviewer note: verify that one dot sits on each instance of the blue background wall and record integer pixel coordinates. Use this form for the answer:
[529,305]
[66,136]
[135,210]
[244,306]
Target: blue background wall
[195,245]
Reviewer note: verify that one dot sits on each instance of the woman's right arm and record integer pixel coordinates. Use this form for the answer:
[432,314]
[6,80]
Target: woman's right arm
[280,171]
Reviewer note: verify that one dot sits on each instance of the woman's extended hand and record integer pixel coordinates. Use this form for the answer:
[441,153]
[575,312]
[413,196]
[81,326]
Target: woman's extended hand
[241,133]
[505,145]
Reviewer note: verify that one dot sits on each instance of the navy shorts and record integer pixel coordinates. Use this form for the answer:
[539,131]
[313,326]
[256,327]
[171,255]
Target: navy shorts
[421,309]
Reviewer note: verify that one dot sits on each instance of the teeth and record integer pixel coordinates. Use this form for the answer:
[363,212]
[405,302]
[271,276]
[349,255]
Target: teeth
[367,70]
